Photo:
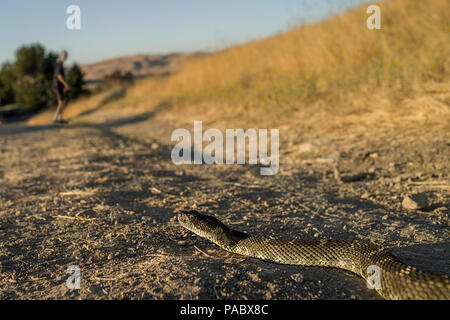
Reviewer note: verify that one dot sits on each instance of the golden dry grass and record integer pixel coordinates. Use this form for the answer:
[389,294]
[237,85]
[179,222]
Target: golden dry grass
[333,75]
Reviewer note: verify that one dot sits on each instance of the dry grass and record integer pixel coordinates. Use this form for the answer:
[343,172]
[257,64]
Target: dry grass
[334,75]
[80,107]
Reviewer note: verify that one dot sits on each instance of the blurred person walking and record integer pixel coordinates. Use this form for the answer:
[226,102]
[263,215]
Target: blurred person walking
[60,87]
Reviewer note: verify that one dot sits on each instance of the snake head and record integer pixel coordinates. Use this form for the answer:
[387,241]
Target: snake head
[210,228]
[194,220]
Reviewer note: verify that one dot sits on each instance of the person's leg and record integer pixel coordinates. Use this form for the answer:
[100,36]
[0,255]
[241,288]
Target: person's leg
[61,105]
[61,109]
[57,116]
[57,93]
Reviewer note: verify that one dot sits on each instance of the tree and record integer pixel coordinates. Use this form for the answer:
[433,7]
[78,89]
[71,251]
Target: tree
[6,81]
[28,81]
[117,78]
[75,79]
[33,70]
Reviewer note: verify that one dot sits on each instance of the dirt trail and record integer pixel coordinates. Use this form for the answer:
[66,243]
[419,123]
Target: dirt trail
[103,196]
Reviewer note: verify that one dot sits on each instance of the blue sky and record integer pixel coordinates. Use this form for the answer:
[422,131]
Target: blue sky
[111,28]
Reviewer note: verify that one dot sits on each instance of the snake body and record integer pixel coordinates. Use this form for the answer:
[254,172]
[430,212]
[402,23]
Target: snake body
[395,280]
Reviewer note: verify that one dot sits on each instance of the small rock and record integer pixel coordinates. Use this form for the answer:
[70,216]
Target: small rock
[415,201]
[155,146]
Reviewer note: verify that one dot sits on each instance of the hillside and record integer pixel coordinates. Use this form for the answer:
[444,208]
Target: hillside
[138,65]
[337,74]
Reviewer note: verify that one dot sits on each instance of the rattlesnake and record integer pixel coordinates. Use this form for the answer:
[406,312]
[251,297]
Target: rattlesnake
[396,280]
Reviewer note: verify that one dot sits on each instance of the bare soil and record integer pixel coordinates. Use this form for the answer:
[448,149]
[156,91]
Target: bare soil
[102,193]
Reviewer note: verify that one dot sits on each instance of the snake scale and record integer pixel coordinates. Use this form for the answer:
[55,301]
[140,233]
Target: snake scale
[396,280]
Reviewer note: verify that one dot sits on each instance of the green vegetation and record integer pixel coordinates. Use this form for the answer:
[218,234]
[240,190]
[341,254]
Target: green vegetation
[116,78]
[28,80]
[75,79]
